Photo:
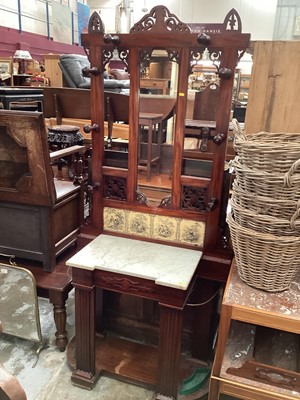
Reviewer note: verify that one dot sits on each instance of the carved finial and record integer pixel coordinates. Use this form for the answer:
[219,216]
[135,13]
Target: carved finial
[160,20]
[96,24]
[232,21]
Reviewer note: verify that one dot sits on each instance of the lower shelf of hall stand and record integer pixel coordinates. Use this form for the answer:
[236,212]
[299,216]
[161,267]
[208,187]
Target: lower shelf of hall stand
[130,361]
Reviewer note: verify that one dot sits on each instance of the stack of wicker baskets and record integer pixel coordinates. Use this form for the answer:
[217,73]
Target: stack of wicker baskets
[265,207]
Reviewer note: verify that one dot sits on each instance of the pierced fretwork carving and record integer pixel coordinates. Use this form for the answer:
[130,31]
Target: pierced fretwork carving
[141,198]
[108,54]
[214,55]
[115,188]
[232,21]
[166,202]
[123,56]
[240,54]
[96,24]
[193,198]
[146,55]
[174,56]
[160,19]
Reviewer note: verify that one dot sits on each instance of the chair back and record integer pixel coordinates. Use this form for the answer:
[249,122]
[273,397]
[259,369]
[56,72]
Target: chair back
[26,175]
[206,101]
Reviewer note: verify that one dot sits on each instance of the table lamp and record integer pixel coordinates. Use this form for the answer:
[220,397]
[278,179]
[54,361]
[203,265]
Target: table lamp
[21,56]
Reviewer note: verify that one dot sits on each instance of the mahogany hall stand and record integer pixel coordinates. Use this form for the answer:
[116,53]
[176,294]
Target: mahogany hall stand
[254,380]
[144,269]
[192,209]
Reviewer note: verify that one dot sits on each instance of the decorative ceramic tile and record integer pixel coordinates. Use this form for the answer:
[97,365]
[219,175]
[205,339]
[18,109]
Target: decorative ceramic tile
[139,224]
[114,220]
[165,228]
[169,229]
[192,232]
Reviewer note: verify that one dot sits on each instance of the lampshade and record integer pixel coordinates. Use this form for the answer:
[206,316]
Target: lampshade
[22,55]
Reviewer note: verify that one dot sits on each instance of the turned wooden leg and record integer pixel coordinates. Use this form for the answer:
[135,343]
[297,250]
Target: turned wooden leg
[58,299]
[169,351]
[60,318]
[149,152]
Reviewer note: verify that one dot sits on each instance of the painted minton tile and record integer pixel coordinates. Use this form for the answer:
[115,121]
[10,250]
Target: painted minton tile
[139,224]
[165,228]
[114,220]
[191,232]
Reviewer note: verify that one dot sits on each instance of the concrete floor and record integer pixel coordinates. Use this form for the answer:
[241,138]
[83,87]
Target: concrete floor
[50,378]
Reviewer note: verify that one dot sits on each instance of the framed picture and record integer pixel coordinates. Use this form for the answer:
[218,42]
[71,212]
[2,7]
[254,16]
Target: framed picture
[5,65]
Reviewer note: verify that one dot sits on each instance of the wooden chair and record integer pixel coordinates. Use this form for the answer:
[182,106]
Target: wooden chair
[40,216]
[206,101]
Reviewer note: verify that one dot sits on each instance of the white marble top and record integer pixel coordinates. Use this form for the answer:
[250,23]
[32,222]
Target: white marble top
[166,265]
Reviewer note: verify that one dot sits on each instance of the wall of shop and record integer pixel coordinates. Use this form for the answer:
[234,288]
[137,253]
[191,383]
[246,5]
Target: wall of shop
[41,26]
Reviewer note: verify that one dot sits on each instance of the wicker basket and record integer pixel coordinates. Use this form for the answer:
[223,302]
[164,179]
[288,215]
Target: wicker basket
[272,152]
[265,223]
[264,261]
[278,186]
[264,205]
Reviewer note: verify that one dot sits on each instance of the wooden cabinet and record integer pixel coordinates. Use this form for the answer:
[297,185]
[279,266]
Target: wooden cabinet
[21,79]
[155,84]
[243,90]
[52,70]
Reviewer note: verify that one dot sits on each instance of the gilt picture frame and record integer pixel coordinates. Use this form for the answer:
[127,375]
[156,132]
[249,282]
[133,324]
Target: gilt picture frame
[5,65]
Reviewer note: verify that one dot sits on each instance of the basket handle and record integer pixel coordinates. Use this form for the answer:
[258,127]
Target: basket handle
[235,162]
[238,132]
[294,217]
[288,175]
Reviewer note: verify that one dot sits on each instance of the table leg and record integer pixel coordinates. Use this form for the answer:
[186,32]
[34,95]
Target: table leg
[169,351]
[149,151]
[58,299]
[159,141]
[214,389]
